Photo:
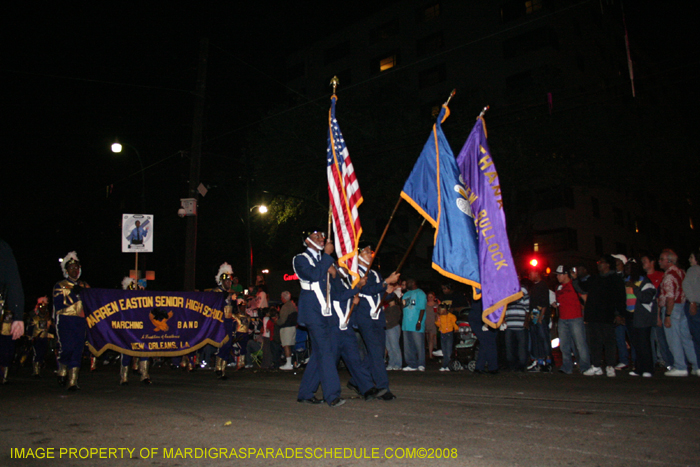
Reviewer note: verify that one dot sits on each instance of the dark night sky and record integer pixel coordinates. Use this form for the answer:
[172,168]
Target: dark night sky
[78,75]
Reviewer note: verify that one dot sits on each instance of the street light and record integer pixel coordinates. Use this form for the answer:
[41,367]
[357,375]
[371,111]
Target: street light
[262,209]
[117,148]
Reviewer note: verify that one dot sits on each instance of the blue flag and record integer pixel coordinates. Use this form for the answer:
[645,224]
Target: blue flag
[498,275]
[436,191]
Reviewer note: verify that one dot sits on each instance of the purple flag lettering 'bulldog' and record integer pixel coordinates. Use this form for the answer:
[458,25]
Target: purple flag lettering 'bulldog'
[153,324]
[499,279]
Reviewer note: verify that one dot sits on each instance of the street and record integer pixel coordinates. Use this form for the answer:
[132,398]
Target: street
[253,418]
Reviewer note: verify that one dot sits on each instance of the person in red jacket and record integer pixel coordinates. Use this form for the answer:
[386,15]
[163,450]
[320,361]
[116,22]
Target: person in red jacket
[572,332]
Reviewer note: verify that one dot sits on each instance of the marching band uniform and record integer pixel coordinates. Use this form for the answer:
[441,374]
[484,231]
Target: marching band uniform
[370,321]
[223,355]
[38,331]
[71,326]
[7,345]
[11,307]
[241,323]
[143,363]
[342,332]
[312,267]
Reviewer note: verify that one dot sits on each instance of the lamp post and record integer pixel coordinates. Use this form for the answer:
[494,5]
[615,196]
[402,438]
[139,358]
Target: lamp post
[117,149]
[262,209]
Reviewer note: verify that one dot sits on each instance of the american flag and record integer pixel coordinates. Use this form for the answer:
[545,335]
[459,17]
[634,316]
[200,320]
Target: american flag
[345,196]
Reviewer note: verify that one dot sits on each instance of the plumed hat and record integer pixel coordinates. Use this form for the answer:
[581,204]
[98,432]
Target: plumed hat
[71,257]
[225,272]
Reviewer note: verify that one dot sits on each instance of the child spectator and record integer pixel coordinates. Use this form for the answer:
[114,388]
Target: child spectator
[447,324]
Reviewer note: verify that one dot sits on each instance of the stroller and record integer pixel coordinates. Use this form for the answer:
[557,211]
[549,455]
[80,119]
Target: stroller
[467,347]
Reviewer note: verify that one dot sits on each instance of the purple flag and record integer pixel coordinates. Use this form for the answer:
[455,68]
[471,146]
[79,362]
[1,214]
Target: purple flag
[499,279]
[153,324]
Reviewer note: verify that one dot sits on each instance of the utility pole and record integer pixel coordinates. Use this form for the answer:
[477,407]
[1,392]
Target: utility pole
[195,159]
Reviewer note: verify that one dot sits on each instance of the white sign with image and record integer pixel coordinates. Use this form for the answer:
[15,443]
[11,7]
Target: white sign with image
[137,233]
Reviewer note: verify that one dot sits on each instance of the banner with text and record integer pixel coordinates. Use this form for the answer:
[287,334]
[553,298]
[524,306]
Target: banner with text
[144,323]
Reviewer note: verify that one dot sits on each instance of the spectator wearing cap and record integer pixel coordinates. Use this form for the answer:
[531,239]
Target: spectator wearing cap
[572,331]
[672,299]
[605,299]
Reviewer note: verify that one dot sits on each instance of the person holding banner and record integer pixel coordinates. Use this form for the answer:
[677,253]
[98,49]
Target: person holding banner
[312,268]
[130,284]
[224,280]
[71,326]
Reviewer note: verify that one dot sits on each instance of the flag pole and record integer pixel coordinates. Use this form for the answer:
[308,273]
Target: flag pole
[398,269]
[334,82]
[483,112]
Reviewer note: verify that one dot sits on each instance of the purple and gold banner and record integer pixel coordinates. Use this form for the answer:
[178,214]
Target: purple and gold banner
[153,324]
[499,279]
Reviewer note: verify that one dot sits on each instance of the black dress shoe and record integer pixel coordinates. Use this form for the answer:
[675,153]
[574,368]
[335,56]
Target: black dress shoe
[147,381]
[374,393]
[387,396]
[337,402]
[222,377]
[355,388]
[313,400]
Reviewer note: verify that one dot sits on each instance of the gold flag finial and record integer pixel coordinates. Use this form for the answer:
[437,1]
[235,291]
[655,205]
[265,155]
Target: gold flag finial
[335,82]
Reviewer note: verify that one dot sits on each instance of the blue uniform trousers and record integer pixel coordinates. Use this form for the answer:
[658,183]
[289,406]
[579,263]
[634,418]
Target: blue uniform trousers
[321,368]
[488,352]
[7,350]
[40,346]
[349,350]
[374,335]
[224,351]
[71,339]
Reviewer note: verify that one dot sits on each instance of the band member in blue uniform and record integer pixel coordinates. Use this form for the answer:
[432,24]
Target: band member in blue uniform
[130,284]
[370,321]
[224,279]
[342,295]
[314,313]
[70,321]
[38,332]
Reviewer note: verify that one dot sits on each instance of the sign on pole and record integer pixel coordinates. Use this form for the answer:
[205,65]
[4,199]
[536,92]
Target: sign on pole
[137,233]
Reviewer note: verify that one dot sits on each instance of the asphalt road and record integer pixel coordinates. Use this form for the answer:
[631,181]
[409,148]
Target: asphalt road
[466,419]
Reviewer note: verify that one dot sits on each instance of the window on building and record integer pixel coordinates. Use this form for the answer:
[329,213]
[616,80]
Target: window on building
[432,76]
[532,6]
[336,52]
[598,245]
[385,62]
[529,41]
[551,241]
[430,44]
[595,204]
[514,9]
[384,31]
[429,12]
